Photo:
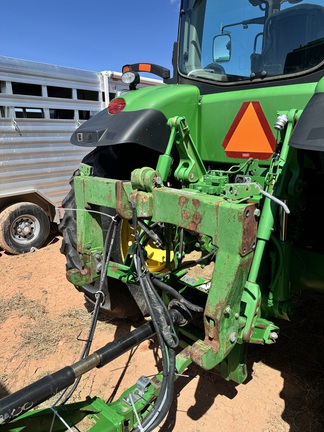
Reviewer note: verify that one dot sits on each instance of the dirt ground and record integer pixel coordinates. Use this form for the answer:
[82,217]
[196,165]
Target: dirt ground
[44,322]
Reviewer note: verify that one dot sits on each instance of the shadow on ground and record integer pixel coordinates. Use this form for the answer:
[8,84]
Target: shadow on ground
[298,355]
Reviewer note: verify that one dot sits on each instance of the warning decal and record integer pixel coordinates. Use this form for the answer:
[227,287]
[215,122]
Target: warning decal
[250,134]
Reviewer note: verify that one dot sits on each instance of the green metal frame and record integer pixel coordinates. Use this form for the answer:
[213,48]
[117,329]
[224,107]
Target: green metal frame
[231,221]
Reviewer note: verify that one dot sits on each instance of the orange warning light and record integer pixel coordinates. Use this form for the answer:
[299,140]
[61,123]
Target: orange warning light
[250,134]
[144,67]
[126,68]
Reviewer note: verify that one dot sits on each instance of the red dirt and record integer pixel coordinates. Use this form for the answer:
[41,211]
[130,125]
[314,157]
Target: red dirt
[44,322]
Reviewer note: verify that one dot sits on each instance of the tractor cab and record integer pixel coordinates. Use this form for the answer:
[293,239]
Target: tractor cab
[237,41]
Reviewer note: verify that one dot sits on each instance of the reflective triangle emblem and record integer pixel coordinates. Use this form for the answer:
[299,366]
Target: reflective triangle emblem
[250,134]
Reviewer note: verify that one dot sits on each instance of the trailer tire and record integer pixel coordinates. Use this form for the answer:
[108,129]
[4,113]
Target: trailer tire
[122,304]
[23,226]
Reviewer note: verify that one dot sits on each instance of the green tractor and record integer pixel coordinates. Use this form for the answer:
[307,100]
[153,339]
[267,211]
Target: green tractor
[199,210]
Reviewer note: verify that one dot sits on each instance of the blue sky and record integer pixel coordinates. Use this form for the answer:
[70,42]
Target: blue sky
[89,34]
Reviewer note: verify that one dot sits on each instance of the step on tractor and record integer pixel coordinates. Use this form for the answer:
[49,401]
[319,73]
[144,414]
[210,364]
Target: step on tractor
[198,214]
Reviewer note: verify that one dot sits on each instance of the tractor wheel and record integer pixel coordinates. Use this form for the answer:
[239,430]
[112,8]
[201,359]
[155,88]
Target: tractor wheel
[109,162]
[23,226]
[122,303]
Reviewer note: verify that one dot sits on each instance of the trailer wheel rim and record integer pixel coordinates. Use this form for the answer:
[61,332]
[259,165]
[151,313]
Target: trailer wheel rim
[25,228]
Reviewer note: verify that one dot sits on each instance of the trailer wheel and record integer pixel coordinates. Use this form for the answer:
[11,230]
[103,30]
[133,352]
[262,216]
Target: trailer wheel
[122,303]
[23,226]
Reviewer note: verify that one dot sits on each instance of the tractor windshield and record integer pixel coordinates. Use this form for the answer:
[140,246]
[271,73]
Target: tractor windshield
[237,40]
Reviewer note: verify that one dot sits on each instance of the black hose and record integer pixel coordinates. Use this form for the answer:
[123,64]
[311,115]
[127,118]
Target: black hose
[106,255]
[160,313]
[164,337]
[192,263]
[177,295]
[164,400]
[170,392]
[149,422]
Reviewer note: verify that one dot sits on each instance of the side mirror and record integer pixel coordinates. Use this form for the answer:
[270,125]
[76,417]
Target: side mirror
[222,48]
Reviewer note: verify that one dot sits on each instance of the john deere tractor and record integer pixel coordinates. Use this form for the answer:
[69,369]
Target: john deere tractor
[199,212]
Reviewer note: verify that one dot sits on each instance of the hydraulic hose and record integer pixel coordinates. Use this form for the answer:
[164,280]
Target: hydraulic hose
[106,255]
[177,295]
[155,417]
[163,325]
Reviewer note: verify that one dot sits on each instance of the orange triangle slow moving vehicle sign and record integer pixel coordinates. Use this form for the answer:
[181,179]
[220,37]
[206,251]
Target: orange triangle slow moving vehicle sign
[250,134]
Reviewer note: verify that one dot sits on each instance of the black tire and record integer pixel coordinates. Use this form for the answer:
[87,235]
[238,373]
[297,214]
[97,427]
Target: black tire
[116,162]
[23,226]
[121,303]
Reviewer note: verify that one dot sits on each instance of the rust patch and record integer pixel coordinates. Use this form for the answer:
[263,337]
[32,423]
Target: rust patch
[139,197]
[185,353]
[113,267]
[214,344]
[182,201]
[249,230]
[143,202]
[196,202]
[197,218]
[185,215]
[84,271]
[214,315]
[261,326]
[201,348]
[247,335]
[195,222]
[123,207]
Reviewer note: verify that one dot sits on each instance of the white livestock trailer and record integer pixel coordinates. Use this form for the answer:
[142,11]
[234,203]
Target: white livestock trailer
[40,107]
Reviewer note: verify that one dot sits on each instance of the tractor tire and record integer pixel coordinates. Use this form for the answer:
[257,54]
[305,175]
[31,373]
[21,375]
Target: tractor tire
[23,227]
[121,303]
[115,162]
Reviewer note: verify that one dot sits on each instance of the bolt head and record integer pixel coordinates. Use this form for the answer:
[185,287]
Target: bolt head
[227,311]
[273,336]
[233,337]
